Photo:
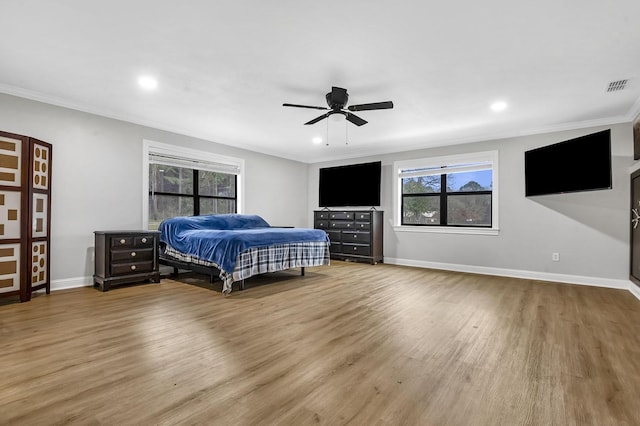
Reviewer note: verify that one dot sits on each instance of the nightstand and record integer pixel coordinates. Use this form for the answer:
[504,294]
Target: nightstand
[124,257]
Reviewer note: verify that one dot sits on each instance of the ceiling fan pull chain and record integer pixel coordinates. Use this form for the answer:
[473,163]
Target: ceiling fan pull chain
[346,133]
[327,133]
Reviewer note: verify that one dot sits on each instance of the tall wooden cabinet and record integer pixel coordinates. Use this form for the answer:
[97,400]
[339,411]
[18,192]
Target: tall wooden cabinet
[354,234]
[25,219]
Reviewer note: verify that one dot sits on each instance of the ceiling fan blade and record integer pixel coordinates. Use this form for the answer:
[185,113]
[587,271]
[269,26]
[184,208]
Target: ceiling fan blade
[369,107]
[322,117]
[305,106]
[355,119]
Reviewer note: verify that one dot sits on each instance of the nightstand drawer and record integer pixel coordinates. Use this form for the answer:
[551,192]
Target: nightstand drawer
[143,241]
[122,242]
[131,268]
[137,255]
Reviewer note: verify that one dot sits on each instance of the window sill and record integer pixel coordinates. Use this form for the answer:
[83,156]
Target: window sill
[447,230]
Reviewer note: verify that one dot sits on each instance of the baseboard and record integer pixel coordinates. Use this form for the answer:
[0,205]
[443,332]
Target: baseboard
[515,273]
[68,283]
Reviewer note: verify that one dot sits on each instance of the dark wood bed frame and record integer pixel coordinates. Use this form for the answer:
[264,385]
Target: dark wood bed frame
[211,271]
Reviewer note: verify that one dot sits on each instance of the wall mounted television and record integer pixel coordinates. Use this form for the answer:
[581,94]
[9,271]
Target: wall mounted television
[354,185]
[574,165]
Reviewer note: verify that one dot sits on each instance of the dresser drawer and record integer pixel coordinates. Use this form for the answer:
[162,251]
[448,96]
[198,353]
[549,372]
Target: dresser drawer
[321,224]
[356,249]
[137,255]
[321,215]
[131,268]
[363,225]
[363,216]
[335,248]
[334,236]
[356,237]
[340,224]
[341,215]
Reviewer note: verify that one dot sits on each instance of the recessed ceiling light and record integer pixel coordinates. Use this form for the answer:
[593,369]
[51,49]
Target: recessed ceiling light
[147,82]
[316,140]
[499,106]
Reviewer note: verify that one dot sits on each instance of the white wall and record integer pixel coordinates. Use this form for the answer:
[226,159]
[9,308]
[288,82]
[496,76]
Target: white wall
[97,179]
[590,230]
[97,185]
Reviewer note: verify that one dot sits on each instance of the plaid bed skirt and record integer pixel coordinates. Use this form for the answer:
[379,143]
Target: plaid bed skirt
[261,260]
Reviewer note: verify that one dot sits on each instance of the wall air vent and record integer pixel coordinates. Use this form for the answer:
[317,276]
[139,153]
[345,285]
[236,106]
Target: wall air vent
[615,86]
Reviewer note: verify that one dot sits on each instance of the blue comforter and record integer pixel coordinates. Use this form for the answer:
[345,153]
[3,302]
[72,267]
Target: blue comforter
[220,238]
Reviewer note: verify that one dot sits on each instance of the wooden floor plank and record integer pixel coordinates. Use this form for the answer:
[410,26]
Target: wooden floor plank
[345,344]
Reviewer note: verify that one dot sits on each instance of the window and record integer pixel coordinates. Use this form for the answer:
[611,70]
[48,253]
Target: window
[456,191]
[183,182]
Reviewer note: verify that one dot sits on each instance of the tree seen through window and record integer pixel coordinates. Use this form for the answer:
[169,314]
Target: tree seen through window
[449,199]
[179,191]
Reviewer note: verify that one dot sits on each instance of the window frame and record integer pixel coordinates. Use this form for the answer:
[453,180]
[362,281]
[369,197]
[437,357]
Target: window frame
[488,157]
[186,155]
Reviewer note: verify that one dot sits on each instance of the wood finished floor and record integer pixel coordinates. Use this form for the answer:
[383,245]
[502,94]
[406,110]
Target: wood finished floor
[346,344]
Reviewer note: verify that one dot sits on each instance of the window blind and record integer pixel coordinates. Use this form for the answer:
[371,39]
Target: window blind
[171,160]
[440,170]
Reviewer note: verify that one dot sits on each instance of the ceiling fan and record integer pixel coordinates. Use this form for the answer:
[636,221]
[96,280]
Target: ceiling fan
[337,99]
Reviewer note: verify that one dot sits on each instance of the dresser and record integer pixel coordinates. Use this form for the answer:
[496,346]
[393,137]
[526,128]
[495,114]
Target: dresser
[124,257]
[354,234]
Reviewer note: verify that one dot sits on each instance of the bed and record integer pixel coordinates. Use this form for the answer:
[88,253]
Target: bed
[236,246]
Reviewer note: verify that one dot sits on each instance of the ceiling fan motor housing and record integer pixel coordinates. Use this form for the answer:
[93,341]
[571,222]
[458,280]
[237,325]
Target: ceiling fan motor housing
[337,98]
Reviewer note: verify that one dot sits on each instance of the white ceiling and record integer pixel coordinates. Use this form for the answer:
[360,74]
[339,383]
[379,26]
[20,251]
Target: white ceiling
[225,67]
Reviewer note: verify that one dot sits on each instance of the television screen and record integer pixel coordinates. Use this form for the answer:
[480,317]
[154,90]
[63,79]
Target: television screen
[355,185]
[580,164]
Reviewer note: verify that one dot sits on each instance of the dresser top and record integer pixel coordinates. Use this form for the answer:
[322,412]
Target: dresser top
[126,232]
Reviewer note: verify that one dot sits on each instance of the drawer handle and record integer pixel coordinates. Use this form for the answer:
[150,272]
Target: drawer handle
[348,225]
[122,241]
[355,248]
[144,240]
[355,236]
[133,254]
[133,267]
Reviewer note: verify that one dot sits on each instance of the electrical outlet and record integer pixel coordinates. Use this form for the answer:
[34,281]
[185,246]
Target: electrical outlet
[555,257]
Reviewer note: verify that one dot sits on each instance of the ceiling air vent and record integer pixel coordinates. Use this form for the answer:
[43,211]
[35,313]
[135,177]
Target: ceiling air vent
[614,86]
